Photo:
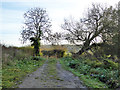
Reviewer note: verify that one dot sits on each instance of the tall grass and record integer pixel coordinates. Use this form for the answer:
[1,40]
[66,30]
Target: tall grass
[10,53]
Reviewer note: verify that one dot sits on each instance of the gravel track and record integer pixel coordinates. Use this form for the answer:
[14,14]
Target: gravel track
[42,79]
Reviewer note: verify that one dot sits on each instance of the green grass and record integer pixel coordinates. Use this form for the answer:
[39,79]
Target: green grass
[16,70]
[0,78]
[92,82]
[87,79]
[0,75]
[52,73]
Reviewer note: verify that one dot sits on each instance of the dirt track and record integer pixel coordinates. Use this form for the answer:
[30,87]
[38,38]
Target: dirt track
[42,78]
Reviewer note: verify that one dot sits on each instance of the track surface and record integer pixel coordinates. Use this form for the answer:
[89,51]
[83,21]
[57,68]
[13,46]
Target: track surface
[42,79]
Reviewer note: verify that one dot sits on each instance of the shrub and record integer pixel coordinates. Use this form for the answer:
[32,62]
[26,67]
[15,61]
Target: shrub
[41,54]
[96,64]
[55,52]
[87,61]
[84,68]
[37,58]
[110,64]
[66,54]
[74,64]
[94,71]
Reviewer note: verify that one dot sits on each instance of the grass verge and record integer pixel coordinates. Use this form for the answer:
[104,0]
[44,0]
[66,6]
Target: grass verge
[14,71]
[52,73]
[0,76]
[87,80]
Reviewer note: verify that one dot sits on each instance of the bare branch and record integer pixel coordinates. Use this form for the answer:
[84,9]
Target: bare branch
[37,23]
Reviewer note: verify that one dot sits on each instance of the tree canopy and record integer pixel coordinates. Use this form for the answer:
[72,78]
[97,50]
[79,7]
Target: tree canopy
[36,27]
[99,22]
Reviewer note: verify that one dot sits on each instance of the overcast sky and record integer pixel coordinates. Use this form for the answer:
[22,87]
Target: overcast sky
[11,14]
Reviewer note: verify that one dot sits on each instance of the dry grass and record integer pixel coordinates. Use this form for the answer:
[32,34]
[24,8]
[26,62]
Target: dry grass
[10,53]
[50,47]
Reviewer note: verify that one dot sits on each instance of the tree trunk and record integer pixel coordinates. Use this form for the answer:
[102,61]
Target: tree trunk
[84,48]
[37,47]
[88,46]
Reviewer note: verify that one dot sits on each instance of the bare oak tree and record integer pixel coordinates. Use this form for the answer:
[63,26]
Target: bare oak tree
[99,22]
[36,27]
